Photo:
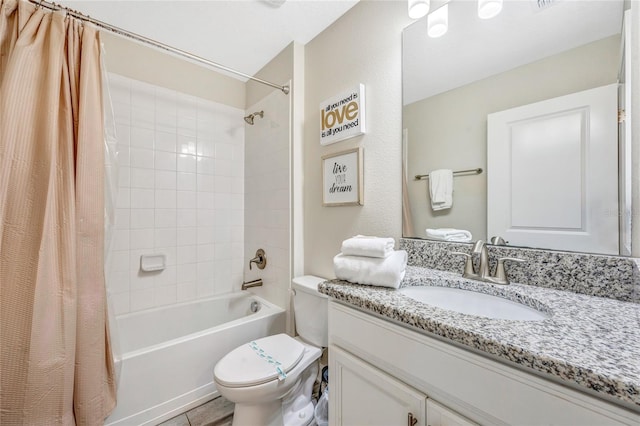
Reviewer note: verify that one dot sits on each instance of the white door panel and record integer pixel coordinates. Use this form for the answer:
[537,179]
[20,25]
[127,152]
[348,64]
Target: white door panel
[552,173]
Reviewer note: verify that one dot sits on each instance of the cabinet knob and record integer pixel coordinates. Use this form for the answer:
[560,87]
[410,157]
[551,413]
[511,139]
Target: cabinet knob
[411,421]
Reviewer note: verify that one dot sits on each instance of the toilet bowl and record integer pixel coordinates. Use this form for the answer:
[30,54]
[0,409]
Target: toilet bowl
[270,380]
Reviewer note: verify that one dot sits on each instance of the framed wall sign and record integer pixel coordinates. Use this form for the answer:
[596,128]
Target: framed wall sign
[342,183]
[342,116]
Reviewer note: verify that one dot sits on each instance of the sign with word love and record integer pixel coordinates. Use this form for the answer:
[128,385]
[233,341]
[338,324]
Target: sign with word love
[342,178]
[342,116]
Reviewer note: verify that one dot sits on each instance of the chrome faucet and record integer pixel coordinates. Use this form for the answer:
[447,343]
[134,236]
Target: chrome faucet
[482,273]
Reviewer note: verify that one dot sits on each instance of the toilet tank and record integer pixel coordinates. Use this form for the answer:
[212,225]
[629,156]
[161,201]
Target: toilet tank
[310,308]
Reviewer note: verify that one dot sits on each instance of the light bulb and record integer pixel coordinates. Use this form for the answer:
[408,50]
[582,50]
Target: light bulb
[418,8]
[438,22]
[487,9]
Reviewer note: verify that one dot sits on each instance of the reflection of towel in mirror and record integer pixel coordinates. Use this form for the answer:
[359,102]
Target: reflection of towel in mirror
[386,272]
[361,245]
[449,234]
[441,189]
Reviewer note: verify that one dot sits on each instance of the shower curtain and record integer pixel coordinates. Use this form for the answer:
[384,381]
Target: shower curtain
[55,357]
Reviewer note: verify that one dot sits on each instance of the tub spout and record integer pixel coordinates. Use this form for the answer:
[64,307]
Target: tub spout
[254,283]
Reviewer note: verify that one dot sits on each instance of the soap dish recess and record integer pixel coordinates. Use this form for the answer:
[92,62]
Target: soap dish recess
[153,262]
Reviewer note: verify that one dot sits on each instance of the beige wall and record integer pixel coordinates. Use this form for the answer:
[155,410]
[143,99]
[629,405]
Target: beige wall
[279,70]
[449,130]
[140,62]
[364,46]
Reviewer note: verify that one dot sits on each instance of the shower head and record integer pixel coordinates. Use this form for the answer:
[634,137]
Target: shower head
[249,118]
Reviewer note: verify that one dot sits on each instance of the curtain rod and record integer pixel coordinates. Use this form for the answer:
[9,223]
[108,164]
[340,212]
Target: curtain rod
[154,43]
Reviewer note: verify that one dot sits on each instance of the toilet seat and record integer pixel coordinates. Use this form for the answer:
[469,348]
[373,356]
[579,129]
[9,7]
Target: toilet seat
[257,362]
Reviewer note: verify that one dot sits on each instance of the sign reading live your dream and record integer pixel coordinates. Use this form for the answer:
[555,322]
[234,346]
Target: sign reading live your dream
[342,116]
[342,178]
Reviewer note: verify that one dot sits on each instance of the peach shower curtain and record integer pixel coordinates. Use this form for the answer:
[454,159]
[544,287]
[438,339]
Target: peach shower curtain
[55,359]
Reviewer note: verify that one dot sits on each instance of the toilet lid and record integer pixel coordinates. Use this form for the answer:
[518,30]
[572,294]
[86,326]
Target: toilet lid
[259,361]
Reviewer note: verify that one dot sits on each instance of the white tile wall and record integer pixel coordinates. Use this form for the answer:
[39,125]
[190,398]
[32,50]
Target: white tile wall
[267,187]
[180,192]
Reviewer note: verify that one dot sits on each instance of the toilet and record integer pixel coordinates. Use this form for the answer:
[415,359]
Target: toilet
[270,380]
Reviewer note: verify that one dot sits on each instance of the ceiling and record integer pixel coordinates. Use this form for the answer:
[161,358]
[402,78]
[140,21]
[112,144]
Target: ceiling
[474,49]
[241,34]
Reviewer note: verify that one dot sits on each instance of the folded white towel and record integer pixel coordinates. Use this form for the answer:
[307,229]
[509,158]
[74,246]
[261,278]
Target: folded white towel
[441,189]
[385,272]
[449,234]
[361,245]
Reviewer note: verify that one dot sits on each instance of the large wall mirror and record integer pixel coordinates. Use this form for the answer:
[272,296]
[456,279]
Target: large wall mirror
[524,109]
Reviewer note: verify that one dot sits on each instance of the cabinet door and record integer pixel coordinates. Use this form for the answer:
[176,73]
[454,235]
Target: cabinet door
[438,415]
[360,394]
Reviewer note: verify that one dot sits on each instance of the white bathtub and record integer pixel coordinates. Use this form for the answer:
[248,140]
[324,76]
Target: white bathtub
[168,354]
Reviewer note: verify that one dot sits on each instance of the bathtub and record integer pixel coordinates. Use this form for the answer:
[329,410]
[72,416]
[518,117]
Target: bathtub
[168,353]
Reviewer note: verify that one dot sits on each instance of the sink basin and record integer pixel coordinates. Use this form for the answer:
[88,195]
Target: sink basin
[473,303]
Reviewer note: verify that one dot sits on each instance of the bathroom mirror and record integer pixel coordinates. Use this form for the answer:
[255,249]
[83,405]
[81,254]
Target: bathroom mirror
[533,51]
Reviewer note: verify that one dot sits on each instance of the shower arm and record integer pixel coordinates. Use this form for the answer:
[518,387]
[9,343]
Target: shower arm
[249,118]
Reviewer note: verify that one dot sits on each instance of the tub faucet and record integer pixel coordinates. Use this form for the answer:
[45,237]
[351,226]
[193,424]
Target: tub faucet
[260,260]
[254,283]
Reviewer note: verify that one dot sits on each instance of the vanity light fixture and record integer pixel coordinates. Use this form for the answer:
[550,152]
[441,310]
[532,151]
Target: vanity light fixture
[487,9]
[438,22]
[418,8]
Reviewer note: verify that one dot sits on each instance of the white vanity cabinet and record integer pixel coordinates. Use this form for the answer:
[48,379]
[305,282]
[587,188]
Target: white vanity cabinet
[438,415]
[382,373]
[364,395]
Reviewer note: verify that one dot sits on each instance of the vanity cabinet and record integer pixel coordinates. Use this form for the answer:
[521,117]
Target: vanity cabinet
[364,395]
[380,372]
[438,415]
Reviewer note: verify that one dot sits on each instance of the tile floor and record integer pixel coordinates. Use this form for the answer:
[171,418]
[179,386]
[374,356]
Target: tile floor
[217,412]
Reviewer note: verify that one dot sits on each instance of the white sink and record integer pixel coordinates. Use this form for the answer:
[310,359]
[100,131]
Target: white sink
[473,303]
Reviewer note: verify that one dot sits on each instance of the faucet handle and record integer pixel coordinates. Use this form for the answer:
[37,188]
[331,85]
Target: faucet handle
[468,265]
[260,260]
[501,275]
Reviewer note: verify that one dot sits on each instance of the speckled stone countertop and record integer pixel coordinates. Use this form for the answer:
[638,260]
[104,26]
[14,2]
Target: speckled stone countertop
[588,341]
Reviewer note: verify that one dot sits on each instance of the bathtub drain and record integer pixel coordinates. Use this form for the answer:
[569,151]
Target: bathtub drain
[255,306]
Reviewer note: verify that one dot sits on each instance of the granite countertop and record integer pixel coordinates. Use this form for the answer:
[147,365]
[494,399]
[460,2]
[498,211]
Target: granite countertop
[588,341]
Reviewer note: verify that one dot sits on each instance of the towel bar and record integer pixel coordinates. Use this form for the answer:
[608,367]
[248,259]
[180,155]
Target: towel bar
[457,172]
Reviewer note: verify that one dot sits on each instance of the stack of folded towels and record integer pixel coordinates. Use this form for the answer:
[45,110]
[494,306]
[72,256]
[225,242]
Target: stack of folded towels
[449,234]
[370,260]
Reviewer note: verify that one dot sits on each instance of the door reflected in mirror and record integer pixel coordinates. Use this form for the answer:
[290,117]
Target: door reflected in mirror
[526,57]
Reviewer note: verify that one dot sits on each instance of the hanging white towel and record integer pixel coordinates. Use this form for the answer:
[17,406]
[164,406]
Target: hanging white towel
[362,245]
[385,272]
[449,234]
[441,189]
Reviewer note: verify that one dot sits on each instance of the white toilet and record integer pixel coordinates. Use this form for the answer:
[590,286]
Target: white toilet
[270,379]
